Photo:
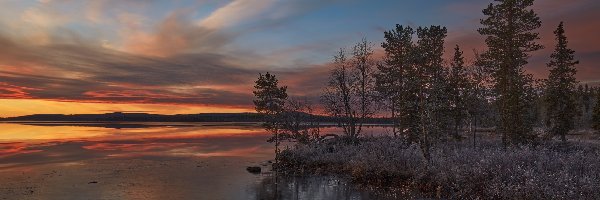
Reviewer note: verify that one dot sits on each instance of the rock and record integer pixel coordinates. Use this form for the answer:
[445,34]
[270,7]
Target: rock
[92,182]
[254,170]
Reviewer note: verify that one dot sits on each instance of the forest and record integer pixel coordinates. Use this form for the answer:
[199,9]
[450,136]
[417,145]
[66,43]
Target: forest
[480,129]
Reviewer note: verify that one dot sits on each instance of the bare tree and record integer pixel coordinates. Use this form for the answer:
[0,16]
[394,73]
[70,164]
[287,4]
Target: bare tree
[349,95]
[299,124]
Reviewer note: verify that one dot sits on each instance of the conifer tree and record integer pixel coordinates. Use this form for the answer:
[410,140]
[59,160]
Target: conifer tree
[270,101]
[413,77]
[561,86]
[391,79]
[428,82]
[458,84]
[510,29]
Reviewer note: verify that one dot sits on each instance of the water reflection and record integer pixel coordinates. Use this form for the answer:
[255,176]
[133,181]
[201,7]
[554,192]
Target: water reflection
[27,144]
[321,187]
[151,161]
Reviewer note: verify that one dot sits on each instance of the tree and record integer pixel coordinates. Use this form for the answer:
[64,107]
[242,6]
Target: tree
[587,98]
[458,86]
[349,95]
[412,78]
[428,83]
[477,97]
[391,79]
[509,27]
[596,112]
[561,87]
[298,122]
[270,101]
[363,72]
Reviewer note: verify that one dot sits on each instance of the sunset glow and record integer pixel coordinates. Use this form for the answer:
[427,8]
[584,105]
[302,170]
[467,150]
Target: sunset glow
[169,57]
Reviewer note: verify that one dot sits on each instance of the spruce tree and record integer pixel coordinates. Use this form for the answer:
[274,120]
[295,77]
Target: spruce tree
[510,29]
[561,87]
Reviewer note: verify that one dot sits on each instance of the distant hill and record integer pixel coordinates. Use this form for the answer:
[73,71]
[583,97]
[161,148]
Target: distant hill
[146,117]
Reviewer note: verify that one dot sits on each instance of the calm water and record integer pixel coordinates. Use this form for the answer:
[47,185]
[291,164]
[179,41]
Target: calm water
[161,161]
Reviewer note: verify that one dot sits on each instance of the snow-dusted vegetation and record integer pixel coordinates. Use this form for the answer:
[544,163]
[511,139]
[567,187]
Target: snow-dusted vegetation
[548,170]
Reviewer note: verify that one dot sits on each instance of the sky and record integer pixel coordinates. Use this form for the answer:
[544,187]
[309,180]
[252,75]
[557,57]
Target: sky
[201,56]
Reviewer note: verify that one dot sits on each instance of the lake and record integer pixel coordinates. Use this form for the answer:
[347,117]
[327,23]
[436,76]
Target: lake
[151,161]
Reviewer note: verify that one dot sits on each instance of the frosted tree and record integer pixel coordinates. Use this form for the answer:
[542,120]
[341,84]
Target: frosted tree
[561,87]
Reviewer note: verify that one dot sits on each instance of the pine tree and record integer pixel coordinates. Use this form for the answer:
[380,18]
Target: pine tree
[561,86]
[509,27]
[269,97]
[429,79]
[458,84]
[270,101]
[413,78]
[391,79]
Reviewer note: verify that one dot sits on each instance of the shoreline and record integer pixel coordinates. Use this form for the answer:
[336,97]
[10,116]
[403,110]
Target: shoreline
[550,170]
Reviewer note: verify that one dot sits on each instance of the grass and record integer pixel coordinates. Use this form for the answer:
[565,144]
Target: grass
[456,170]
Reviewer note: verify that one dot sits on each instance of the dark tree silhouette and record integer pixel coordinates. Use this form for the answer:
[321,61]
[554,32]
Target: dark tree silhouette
[392,77]
[509,27]
[561,86]
[349,95]
[477,95]
[413,79]
[458,86]
[428,81]
[270,100]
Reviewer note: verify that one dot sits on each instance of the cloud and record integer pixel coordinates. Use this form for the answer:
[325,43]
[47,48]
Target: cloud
[174,61]
[234,13]
[175,35]
[157,52]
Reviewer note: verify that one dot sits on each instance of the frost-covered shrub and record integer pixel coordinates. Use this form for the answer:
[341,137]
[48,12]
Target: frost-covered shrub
[456,170]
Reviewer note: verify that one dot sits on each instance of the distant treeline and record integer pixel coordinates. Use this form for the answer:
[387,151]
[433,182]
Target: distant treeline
[146,117]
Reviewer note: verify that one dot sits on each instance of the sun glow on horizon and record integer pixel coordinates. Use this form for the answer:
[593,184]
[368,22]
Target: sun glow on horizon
[20,107]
